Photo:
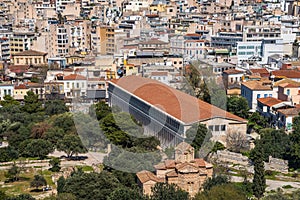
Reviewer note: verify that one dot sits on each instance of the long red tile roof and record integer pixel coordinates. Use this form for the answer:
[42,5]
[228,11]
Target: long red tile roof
[286,73]
[180,105]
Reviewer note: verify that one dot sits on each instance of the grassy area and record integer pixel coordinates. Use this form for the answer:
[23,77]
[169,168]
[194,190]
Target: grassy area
[287,187]
[87,168]
[23,185]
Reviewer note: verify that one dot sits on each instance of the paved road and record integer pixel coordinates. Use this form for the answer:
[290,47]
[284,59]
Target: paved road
[271,184]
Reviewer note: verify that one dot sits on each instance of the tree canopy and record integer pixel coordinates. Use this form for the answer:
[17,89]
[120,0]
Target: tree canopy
[238,106]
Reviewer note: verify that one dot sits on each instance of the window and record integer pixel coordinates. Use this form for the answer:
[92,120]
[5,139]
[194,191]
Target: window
[270,95]
[217,128]
[223,127]
[211,128]
[265,95]
[77,85]
[258,96]
[288,91]
[68,85]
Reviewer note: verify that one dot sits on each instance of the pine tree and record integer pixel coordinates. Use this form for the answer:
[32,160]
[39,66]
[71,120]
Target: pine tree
[259,180]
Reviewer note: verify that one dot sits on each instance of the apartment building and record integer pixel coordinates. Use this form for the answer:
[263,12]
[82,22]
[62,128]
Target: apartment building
[21,41]
[4,49]
[226,39]
[107,40]
[80,37]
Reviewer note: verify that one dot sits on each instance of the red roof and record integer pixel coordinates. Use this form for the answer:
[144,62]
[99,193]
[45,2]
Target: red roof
[263,72]
[233,71]
[289,85]
[286,73]
[21,86]
[180,105]
[74,77]
[269,101]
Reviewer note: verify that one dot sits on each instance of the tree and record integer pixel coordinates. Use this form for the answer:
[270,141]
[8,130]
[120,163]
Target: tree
[203,92]
[53,135]
[13,173]
[8,154]
[64,121]
[214,181]
[278,196]
[66,196]
[123,193]
[275,143]
[238,106]
[9,101]
[226,191]
[38,181]
[164,191]
[32,103]
[148,144]
[55,165]
[71,145]
[21,197]
[38,130]
[89,130]
[3,195]
[294,152]
[218,146]
[237,141]
[259,180]
[54,107]
[257,122]
[101,110]
[61,182]
[37,148]
[196,135]
[86,186]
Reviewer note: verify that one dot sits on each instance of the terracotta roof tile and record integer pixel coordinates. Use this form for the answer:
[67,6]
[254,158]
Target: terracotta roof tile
[20,87]
[160,166]
[269,101]
[145,176]
[289,85]
[257,85]
[233,71]
[169,164]
[199,162]
[180,105]
[286,80]
[286,73]
[289,111]
[263,72]
[74,77]
[172,173]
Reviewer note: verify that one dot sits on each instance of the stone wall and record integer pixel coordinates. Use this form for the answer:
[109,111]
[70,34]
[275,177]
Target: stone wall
[227,157]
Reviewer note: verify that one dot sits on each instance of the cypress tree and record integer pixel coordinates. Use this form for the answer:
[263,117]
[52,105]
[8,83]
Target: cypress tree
[259,180]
